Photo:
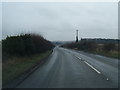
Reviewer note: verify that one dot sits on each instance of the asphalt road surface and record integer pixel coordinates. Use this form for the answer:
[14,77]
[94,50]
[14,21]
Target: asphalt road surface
[74,69]
[0,66]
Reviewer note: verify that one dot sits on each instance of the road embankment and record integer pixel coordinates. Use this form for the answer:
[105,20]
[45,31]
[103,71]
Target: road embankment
[17,69]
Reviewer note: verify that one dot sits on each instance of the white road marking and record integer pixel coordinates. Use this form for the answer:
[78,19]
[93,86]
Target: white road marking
[107,79]
[78,57]
[92,67]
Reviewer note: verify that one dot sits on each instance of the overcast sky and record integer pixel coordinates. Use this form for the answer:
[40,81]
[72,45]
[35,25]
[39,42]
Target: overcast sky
[59,21]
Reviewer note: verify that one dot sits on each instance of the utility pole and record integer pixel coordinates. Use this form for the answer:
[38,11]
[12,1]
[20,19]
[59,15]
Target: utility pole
[76,35]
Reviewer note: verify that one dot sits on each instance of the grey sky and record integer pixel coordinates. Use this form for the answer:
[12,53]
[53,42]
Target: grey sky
[58,21]
[0,20]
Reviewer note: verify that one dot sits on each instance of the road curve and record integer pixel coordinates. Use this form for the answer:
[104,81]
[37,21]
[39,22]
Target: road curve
[74,69]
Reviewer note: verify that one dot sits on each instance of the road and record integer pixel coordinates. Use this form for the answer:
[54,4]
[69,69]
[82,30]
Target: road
[74,69]
[0,66]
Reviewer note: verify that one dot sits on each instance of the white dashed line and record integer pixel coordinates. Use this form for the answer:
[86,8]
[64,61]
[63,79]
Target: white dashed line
[78,57]
[92,67]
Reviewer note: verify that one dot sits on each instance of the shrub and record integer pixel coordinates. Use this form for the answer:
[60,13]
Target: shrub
[26,44]
[82,45]
[87,45]
[108,47]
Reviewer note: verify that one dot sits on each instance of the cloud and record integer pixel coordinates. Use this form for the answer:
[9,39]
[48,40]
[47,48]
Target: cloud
[59,21]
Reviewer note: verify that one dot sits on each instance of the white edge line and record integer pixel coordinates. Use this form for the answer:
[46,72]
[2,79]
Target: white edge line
[92,67]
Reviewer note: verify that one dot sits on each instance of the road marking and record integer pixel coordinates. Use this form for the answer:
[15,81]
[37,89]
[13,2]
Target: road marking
[78,57]
[107,79]
[92,67]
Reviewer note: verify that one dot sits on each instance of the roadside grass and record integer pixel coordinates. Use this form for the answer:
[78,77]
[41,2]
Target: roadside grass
[112,54]
[16,66]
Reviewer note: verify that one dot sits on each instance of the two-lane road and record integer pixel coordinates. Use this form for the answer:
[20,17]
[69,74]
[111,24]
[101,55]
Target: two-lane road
[71,69]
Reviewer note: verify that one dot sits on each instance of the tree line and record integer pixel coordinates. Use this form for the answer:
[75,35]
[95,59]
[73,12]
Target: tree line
[92,46]
[25,45]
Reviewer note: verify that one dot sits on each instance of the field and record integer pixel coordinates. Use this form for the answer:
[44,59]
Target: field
[109,49]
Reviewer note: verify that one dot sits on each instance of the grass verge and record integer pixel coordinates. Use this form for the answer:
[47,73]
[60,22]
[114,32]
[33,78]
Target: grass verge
[15,66]
[112,54]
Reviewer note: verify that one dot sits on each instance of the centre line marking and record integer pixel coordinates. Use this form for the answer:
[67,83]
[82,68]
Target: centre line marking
[92,67]
[78,57]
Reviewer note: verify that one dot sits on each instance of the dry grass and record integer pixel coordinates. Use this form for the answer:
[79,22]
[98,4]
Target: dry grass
[112,54]
[15,66]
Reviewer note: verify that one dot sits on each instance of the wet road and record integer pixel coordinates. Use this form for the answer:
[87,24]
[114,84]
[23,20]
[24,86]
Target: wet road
[0,76]
[74,69]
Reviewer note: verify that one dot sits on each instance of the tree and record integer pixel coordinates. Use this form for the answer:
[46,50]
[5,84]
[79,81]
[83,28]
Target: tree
[25,44]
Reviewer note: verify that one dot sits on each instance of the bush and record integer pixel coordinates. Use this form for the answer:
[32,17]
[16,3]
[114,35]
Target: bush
[108,47]
[26,44]
[87,45]
[82,45]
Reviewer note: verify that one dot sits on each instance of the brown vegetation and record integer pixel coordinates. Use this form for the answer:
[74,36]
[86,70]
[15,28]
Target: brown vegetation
[107,49]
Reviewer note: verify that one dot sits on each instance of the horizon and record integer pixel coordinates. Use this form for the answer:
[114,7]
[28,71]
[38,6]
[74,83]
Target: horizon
[68,40]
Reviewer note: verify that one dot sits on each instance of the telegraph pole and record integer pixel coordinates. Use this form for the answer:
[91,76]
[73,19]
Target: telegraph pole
[76,35]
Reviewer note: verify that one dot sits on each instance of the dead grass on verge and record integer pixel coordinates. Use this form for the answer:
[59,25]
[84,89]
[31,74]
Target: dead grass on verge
[112,54]
[15,66]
